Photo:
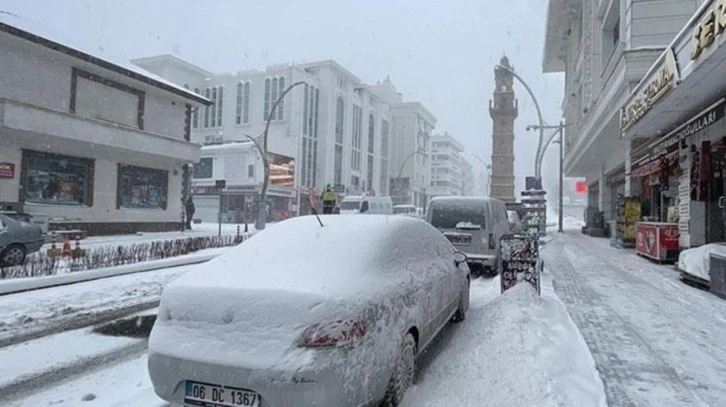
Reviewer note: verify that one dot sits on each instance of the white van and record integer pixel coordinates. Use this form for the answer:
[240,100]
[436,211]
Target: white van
[474,225]
[378,205]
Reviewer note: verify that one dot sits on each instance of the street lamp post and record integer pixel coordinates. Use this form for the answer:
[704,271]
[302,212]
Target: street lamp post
[261,215]
[558,129]
[403,164]
[537,158]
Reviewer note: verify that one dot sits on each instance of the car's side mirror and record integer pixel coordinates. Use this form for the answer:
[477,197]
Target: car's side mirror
[459,257]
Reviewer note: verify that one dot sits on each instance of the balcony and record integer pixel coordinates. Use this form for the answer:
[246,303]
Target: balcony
[61,127]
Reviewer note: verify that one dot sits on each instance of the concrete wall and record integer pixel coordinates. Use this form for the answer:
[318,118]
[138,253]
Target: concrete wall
[655,22]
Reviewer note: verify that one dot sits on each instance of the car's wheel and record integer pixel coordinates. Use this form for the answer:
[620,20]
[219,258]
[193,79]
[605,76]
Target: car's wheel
[460,313]
[404,372]
[13,255]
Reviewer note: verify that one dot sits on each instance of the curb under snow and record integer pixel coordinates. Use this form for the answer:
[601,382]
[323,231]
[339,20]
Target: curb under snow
[34,283]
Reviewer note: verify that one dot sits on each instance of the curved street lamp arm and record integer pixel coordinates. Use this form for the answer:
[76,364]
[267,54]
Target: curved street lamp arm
[263,194]
[539,117]
[405,161]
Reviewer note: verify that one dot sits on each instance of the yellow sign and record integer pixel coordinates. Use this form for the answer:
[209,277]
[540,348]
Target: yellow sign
[712,24]
[650,91]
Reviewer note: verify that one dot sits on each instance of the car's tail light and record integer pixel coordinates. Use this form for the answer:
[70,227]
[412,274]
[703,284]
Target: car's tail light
[335,333]
[492,242]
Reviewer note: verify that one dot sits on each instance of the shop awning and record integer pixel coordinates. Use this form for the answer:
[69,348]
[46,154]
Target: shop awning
[651,164]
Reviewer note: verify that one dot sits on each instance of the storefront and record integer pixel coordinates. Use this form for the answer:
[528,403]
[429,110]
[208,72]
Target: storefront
[680,179]
[678,108]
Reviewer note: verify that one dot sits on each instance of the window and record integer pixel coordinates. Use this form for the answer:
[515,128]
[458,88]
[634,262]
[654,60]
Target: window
[141,188]
[220,101]
[251,171]
[195,115]
[240,95]
[213,114]
[616,32]
[384,138]
[246,104]
[206,108]
[57,179]
[369,174]
[384,176]
[371,133]
[273,89]
[357,124]
[338,170]
[339,120]
[243,103]
[203,169]
[310,130]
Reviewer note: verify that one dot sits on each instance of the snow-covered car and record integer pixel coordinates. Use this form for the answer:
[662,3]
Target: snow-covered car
[304,314]
[17,240]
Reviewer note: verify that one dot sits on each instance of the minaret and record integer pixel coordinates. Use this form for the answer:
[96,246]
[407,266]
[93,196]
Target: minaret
[503,110]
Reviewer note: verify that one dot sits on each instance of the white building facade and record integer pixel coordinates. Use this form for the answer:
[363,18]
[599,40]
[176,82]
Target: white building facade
[331,129]
[605,48]
[93,144]
[450,172]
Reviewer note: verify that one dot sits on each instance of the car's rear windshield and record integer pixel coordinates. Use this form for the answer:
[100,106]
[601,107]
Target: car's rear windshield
[403,209]
[349,205]
[448,215]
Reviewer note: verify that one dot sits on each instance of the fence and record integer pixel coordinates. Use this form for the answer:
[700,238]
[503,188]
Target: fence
[41,264]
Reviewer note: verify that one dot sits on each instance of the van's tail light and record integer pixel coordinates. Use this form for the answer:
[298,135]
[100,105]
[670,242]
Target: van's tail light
[492,242]
[335,333]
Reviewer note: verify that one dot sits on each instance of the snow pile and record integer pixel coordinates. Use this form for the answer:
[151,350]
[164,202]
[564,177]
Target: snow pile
[697,261]
[517,350]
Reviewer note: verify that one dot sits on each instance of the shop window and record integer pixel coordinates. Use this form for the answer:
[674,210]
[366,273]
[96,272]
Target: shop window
[57,179]
[203,169]
[141,188]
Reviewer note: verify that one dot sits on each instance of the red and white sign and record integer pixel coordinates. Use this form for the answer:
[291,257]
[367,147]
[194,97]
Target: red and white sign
[656,240]
[7,170]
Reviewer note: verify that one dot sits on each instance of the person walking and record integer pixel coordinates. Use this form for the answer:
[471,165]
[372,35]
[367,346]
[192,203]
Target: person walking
[189,207]
[328,200]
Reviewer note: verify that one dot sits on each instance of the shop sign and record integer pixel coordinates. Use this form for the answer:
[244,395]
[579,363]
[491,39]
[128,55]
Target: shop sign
[711,26]
[644,97]
[7,170]
[671,141]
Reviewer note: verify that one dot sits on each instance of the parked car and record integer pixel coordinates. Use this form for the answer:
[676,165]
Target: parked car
[304,314]
[406,210]
[380,205]
[17,240]
[474,225]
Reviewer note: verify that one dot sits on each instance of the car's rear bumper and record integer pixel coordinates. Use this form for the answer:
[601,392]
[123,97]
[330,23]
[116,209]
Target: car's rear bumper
[296,386]
[482,259]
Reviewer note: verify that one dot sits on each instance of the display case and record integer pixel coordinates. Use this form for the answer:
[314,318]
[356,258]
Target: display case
[657,241]
[520,261]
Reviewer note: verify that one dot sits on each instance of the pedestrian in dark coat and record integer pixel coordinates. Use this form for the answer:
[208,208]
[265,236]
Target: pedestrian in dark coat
[189,207]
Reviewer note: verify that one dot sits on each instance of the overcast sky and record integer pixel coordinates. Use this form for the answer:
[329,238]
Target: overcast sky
[441,53]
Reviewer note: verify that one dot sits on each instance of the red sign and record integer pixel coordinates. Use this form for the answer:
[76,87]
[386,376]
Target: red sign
[7,170]
[580,186]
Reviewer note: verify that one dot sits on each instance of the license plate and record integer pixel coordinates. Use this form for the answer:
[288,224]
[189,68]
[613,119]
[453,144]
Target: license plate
[459,240]
[213,395]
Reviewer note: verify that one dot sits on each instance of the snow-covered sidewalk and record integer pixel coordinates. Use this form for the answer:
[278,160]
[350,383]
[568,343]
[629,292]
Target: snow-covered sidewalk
[515,349]
[656,341]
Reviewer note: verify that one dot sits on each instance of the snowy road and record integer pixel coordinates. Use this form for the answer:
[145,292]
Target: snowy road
[656,341]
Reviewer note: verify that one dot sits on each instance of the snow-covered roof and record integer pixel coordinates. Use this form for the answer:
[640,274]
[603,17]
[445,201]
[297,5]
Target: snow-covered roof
[33,31]
[236,146]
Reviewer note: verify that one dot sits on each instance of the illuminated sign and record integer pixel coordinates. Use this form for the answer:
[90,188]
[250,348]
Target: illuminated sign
[650,91]
[711,25]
